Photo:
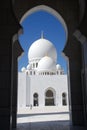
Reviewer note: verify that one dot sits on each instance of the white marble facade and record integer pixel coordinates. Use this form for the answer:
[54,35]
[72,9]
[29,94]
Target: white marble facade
[43,82]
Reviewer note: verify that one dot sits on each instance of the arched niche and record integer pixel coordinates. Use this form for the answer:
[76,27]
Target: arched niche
[64,99]
[71,11]
[49,10]
[50,95]
[35,99]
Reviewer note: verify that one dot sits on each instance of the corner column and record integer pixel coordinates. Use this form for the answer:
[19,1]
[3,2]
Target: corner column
[17,51]
[8,27]
[73,51]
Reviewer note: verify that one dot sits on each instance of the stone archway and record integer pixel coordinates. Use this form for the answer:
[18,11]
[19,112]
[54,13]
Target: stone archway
[75,16]
[73,19]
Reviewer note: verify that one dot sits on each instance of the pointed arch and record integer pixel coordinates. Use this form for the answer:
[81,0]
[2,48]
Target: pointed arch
[49,10]
[50,97]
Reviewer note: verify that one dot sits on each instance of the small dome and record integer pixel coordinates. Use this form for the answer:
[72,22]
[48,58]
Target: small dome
[58,67]
[46,64]
[41,48]
[28,66]
[23,69]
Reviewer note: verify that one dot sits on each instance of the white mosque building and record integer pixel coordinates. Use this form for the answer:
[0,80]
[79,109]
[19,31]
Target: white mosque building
[43,82]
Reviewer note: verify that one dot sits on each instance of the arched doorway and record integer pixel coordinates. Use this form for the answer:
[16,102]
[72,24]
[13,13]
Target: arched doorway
[64,99]
[49,98]
[35,99]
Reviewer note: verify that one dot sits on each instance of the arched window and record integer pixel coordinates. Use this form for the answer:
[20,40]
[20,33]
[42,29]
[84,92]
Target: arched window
[60,73]
[30,72]
[47,73]
[64,99]
[49,98]
[50,73]
[35,99]
[34,72]
[57,72]
[36,65]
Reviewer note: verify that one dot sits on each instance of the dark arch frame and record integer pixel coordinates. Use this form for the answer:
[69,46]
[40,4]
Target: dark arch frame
[75,16]
[74,23]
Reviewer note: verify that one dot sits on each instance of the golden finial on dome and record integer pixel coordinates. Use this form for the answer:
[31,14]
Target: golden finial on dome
[46,55]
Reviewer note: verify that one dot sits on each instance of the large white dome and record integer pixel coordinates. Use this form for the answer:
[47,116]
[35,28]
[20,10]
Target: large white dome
[46,64]
[41,48]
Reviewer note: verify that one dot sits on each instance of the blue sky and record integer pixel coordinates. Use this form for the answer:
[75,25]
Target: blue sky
[53,30]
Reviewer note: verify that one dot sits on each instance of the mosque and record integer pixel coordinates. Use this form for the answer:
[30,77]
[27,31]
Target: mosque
[43,82]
